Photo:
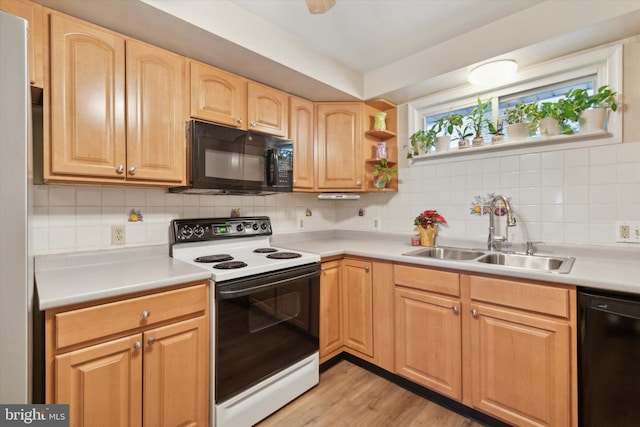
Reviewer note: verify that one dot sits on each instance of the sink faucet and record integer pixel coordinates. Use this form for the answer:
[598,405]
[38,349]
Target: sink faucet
[511,221]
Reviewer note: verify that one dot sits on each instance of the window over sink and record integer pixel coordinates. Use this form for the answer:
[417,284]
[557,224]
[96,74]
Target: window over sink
[546,82]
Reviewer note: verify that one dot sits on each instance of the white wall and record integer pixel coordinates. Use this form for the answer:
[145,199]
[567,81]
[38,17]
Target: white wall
[571,196]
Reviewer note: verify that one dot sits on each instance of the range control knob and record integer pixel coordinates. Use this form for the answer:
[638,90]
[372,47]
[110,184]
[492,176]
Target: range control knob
[239,227]
[263,225]
[186,232]
[198,231]
[255,226]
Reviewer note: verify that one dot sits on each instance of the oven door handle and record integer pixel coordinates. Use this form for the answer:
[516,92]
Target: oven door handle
[237,292]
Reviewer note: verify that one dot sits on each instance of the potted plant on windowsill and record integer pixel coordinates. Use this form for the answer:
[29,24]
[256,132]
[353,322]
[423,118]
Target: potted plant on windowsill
[478,120]
[420,142]
[518,118]
[383,172]
[591,110]
[459,128]
[496,131]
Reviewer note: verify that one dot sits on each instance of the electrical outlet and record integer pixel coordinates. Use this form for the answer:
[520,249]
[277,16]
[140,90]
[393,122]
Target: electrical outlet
[376,224]
[628,232]
[118,234]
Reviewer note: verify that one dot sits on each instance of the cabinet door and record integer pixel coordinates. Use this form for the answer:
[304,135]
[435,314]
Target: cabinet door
[520,366]
[330,310]
[301,130]
[339,146]
[156,141]
[87,101]
[102,384]
[428,341]
[32,12]
[357,311]
[267,110]
[176,374]
[218,96]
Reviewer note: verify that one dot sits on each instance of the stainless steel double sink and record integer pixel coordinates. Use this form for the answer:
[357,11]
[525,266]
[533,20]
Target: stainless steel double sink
[541,263]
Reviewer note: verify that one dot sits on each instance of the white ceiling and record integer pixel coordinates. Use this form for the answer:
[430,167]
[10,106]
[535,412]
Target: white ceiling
[362,49]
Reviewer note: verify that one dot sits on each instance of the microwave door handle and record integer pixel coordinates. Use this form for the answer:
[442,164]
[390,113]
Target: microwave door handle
[272,167]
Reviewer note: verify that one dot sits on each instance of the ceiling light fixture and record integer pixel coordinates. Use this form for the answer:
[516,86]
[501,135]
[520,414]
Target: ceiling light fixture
[494,72]
[317,7]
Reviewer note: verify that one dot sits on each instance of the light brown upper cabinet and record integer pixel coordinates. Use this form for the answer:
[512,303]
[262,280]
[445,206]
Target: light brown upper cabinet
[116,108]
[267,110]
[32,12]
[301,131]
[339,159]
[218,96]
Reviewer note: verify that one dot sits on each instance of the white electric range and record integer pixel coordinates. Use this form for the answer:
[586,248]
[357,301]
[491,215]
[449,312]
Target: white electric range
[265,314]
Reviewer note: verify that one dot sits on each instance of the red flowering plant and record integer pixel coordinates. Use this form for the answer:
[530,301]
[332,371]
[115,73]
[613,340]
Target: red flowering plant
[429,217]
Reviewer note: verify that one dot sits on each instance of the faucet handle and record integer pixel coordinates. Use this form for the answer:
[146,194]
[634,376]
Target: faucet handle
[530,244]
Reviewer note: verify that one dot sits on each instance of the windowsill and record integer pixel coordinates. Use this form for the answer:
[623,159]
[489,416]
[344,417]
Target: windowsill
[545,143]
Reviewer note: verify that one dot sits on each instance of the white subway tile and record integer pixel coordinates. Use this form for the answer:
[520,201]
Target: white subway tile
[62,196]
[89,196]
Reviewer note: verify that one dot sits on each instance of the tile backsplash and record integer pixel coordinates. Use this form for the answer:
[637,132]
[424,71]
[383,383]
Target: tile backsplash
[569,196]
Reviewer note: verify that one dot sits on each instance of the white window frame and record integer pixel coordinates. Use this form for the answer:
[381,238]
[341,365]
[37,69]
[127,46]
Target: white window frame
[604,62]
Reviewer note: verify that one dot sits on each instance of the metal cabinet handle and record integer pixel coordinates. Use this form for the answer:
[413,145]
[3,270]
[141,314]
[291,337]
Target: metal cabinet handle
[239,120]
[146,314]
[455,309]
[359,183]
[151,341]
[474,313]
[137,345]
[120,169]
[366,268]
[132,170]
[253,124]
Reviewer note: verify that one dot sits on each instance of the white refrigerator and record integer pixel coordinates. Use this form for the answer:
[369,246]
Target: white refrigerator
[16,261]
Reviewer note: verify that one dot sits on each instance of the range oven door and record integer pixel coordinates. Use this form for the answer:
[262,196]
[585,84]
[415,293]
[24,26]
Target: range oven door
[264,324]
[234,160]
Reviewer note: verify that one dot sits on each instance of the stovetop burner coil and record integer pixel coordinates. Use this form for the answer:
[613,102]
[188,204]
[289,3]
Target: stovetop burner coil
[230,265]
[265,250]
[284,255]
[214,258]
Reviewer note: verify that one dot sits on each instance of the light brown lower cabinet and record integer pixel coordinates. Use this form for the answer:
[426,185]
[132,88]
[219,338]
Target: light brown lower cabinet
[356,310]
[504,347]
[142,361]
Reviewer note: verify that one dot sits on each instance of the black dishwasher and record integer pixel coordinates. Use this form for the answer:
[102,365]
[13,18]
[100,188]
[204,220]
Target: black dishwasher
[609,359]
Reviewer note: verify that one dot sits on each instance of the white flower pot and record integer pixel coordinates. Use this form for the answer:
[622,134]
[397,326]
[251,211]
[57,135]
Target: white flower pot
[517,132]
[549,126]
[593,119]
[443,143]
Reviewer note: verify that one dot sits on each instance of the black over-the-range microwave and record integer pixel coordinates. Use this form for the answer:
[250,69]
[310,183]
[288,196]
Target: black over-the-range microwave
[224,160]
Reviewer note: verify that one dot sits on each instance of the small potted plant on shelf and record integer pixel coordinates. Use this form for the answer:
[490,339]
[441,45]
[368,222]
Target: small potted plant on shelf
[421,141]
[427,225]
[383,173]
[591,110]
[478,120]
[496,131]
[459,128]
[517,119]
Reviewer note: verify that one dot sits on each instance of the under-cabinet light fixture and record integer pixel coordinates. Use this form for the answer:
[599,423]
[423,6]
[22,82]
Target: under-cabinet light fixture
[494,72]
[338,196]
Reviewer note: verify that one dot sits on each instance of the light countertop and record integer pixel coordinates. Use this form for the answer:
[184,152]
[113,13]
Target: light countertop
[65,279]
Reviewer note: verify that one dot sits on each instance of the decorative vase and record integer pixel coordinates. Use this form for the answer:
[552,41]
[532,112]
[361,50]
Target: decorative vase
[381,150]
[549,126]
[427,235]
[379,121]
[593,119]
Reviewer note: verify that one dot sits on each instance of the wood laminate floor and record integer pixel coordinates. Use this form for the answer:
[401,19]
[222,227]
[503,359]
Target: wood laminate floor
[351,396]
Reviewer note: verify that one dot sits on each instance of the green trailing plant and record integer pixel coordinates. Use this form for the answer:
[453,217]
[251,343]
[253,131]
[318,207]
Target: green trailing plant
[519,113]
[580,99]
[477,117]
[383,171]
[458,127]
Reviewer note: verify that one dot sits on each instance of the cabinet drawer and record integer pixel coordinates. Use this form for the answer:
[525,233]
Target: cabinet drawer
[76,326]
[428,280]
[523,295]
